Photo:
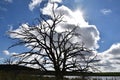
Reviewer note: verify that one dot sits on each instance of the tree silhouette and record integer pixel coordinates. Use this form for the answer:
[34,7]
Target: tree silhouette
[8,61]
[51,49]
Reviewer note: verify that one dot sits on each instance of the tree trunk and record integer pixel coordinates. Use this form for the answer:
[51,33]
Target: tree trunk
[59,75]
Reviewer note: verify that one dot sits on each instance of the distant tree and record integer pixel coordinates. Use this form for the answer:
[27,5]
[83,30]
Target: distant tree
[9,60]
[53,50]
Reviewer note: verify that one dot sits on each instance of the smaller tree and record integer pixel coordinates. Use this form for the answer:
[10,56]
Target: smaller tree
[9,60]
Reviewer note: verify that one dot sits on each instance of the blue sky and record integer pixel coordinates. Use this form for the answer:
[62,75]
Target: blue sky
[104,14]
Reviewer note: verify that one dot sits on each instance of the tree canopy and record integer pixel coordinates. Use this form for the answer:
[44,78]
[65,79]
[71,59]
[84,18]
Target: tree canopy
[53,48]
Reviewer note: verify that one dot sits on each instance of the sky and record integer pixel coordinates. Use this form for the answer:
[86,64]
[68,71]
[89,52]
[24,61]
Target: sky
[98,19]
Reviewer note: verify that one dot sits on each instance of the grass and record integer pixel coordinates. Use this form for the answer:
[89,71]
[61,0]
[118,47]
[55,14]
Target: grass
[11,75]
[8,75]
[16,76]
[13,72]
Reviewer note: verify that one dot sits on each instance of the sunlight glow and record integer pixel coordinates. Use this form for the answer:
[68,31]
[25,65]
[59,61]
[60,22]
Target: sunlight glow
[79,18]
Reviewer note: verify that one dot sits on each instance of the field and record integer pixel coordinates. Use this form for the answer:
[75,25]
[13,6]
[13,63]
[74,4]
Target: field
[8,75]
[23,73]
[22,76]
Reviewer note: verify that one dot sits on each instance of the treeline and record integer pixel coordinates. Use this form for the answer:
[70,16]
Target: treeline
[105,74]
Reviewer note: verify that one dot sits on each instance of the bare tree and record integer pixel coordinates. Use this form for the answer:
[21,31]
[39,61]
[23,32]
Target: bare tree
[53,50]
[10,60]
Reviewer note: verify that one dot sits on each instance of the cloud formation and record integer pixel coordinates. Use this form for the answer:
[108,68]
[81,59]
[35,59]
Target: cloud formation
[110,59]
[90,33]
[59,1]
[34,3]
[106,11]
[7,53]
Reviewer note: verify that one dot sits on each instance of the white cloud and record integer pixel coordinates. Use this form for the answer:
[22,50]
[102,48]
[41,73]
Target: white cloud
[90,34]
[59,1]
[106,11]
[20,30]
[6,52]
[34,3]
[114,50]
[110,59]
[48,9]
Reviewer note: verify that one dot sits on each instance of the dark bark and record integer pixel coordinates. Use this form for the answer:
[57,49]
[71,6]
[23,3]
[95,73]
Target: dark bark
[60,53]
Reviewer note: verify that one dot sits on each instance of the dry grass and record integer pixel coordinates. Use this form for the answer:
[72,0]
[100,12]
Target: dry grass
[8,75]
